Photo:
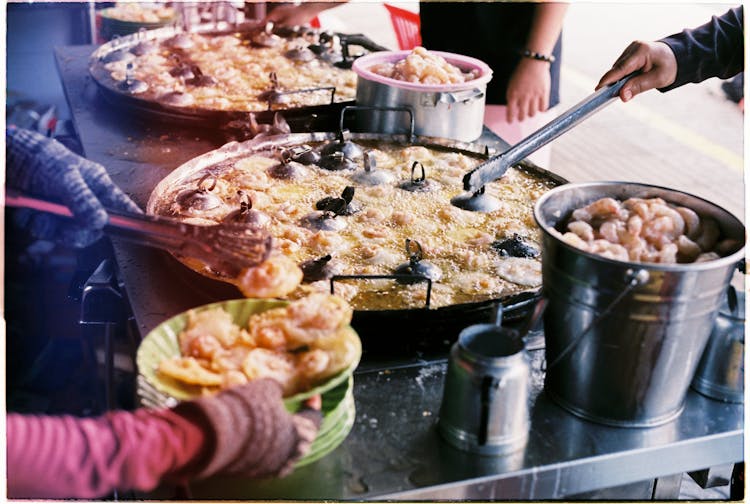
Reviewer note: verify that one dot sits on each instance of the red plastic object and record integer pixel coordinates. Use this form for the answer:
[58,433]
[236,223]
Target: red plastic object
[406,25]
[315,22]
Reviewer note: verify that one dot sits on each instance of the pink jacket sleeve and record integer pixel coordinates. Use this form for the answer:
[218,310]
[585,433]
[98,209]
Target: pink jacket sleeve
[64,456]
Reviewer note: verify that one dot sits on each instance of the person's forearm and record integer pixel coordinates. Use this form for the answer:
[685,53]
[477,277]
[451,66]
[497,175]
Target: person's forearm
[715,49]
[546,27]
[65,457]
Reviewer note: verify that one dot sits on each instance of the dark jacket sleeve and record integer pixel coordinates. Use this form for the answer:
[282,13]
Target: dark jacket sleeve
[715,49]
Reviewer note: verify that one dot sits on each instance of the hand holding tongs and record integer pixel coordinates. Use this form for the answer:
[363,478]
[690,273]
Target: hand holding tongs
[225,248]
[496,166]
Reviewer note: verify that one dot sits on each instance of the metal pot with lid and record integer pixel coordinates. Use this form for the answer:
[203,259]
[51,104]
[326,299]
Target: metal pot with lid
[453,111]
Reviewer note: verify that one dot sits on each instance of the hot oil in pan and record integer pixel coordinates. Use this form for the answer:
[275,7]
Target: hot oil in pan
[460,243]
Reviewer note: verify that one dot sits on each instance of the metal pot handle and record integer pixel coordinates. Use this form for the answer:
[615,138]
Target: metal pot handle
[460,96]
[634,279]
[408,110]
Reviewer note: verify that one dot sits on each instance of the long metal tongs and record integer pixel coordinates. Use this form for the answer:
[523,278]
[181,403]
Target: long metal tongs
[496,166]
[225,248]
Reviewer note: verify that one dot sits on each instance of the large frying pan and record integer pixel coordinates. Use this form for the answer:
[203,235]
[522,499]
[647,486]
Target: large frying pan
[306,118]
[418,328]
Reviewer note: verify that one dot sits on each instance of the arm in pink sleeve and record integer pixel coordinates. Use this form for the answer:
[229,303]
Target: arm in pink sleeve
[50,457]
[244,431]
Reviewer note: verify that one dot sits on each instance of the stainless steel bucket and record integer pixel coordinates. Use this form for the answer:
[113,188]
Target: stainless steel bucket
[623,339]
[453,111]
[485,399]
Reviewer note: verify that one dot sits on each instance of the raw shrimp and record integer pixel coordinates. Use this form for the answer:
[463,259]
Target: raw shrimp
[603,208]
[581,229]
[692,222]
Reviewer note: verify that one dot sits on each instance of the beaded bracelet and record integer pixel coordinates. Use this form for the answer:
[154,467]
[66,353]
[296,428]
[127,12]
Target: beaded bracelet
[549,58]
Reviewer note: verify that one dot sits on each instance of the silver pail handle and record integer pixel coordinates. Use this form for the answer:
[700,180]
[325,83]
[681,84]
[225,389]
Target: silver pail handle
[634,278]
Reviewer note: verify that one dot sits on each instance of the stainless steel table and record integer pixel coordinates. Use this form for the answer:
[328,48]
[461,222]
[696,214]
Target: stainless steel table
[393,451]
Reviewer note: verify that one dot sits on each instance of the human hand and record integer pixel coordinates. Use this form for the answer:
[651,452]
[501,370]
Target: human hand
[296,15]
[42,166]
[528,89]
[249,432]
[656,62]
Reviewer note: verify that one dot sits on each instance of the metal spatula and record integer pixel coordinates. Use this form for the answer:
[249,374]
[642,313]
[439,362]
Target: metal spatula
[496,166]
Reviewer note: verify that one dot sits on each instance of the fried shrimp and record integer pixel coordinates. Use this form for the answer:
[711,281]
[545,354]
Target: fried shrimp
[298,345]
[275,277]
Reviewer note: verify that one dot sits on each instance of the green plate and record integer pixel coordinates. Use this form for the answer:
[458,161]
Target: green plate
[162,343]
[328,441]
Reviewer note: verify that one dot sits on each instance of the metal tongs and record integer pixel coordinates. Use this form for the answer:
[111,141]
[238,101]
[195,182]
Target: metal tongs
[226,248]
[496,166]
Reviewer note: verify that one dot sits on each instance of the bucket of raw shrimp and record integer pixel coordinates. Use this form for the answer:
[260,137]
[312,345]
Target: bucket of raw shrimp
[624,333]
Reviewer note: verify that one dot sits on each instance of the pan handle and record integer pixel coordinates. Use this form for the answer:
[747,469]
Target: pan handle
[408,110]
[495,167]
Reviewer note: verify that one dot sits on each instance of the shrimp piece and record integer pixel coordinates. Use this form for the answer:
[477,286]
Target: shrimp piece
[401,218]
[448,213]
[264,363]
[229,359]
[294,234]
[640,207]
[204,346]
[277,276]
[473,261]
[635,225]
[674,215]
[375,233]
[687,249]
[610,230]
[659,230]
[603,208]
[287,247]
[313,364]
[326,241]
[233,378]
[379,256]
[636,246]
[668,254]
[520,271]
[215,323]
[480,240]
[692,222]
[574,240]
[189,370]
[342,348]
[582,229]
[609,250]
[709,234]
[314,317]
[372,216]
